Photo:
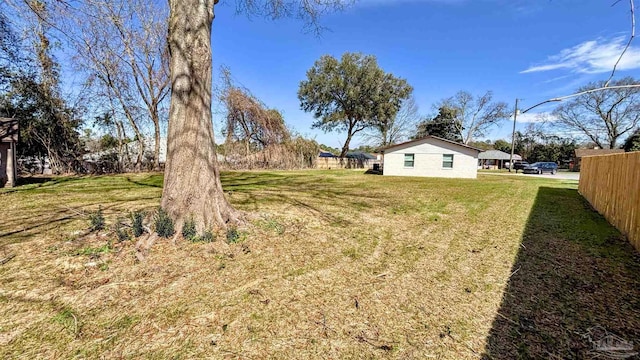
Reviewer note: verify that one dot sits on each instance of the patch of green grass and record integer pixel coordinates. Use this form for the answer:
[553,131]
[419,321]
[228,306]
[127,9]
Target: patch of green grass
[297,272]
[272,224]
[122,324]
[69,320]
[92,251]
[420,206]
[104,266]
[351,252]
[590,228]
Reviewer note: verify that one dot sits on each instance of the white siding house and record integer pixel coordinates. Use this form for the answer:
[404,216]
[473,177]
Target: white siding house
[431,157]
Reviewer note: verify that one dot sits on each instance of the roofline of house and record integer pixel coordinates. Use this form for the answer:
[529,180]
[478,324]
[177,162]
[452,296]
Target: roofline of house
[431,137]
[506,155]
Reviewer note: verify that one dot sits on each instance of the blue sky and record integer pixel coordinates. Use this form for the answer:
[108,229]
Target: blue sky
[532,50]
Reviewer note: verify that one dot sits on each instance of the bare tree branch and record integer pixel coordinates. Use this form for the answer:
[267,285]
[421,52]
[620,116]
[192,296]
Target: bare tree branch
[593,90]
[474,115]
[633,34]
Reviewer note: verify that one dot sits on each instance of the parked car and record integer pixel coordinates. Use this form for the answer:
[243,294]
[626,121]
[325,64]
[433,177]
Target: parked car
[520,165]
[541,168]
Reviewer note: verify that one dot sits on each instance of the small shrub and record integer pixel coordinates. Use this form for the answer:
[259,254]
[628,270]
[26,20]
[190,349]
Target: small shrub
[122,232]
[233,236]
[163,224]
[189,230]
[207,236]
[136,223]
[97,220]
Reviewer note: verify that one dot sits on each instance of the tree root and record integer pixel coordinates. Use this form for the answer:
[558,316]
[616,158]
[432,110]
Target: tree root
[143,245]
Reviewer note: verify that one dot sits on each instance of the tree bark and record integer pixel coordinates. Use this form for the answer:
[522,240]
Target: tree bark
[121,136]
[156,149]
[350,132]
[345,147]
[192,188]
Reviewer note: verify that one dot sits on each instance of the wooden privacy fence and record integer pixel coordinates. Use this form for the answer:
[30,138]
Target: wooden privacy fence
[611,183]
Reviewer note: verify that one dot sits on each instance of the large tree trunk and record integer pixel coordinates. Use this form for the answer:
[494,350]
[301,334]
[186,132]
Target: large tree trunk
[345,147]
[192,186]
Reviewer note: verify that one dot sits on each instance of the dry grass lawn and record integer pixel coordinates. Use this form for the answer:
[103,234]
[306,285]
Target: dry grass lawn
[333,264]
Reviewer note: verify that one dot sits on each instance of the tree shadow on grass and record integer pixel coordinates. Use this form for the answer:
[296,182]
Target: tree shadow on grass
[26,227]
[36,182]
[574,276]
[28,180]
[148,181]
[296,190]
[246,181]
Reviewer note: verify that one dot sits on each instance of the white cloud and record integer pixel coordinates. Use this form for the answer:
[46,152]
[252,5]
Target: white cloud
[591,57]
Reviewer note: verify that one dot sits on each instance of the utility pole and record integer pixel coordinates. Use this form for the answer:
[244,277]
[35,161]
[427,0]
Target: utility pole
[513,136]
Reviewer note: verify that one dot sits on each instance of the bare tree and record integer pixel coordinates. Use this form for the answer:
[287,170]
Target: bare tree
[474,115]
[601,116]
[122,46]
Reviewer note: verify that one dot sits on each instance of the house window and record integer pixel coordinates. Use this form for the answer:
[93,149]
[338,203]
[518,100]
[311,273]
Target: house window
[447,161]
[408,160]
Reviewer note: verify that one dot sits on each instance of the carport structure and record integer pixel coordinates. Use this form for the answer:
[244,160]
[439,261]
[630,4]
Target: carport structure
[495,159]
